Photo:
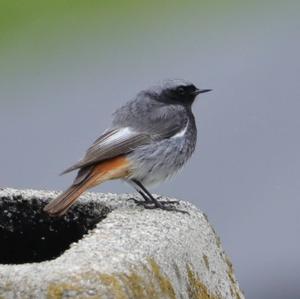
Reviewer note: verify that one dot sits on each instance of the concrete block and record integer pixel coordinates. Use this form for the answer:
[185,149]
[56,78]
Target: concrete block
[107,247]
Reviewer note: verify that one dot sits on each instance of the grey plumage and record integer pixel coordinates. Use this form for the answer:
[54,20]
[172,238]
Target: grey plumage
[166,154]
[156,132]
[148,119]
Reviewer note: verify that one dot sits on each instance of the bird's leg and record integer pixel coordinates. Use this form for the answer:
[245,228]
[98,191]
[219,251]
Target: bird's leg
[141,202]
[153,203]
[145,197]
[151,197]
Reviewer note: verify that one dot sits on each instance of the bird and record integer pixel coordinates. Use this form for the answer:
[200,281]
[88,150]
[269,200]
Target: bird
[149,140]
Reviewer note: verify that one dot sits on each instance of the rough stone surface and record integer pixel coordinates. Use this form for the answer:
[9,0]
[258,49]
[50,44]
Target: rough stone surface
[130,253]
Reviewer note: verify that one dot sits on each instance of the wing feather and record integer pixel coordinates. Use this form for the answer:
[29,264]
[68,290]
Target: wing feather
[111,144]
[148,125]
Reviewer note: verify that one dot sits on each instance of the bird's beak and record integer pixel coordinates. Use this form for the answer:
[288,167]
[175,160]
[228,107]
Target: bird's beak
[198,91]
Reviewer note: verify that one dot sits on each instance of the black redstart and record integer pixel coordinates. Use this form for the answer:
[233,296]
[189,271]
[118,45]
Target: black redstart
[150,139]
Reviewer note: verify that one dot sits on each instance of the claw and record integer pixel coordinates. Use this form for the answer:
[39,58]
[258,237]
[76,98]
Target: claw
[138,202]
[165,208]
[169,202]
[163,205]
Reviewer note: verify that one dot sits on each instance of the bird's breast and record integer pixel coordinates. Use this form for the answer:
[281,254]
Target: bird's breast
[156,162]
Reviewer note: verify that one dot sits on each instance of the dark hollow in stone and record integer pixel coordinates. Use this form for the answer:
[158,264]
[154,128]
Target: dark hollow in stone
[27,234]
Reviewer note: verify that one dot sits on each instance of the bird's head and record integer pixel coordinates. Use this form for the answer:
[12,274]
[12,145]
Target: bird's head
[179,92]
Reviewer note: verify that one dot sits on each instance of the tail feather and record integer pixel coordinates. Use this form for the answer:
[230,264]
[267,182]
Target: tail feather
[87,178]
[60,205]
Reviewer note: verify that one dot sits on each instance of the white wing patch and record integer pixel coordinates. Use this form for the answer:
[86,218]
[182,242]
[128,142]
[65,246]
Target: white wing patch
[121,134]
[182,132]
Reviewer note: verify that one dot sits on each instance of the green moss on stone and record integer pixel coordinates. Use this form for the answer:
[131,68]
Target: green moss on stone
[196,289]
[114,284]
[58,290]
[230,272]
[164,282]
[144,282]
[177,272]
[136,285]
[205,258]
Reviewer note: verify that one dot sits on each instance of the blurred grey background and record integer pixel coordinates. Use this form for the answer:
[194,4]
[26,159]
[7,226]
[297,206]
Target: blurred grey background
[66,65]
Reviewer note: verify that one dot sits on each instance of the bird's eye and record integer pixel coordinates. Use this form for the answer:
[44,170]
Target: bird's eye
[180,89]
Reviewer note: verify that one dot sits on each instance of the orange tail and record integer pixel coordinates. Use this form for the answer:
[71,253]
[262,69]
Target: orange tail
[60,205]
[110,169]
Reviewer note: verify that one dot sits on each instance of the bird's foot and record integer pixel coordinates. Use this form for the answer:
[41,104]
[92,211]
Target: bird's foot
[163,205]
[161,202]
[166,202]
[139,202]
